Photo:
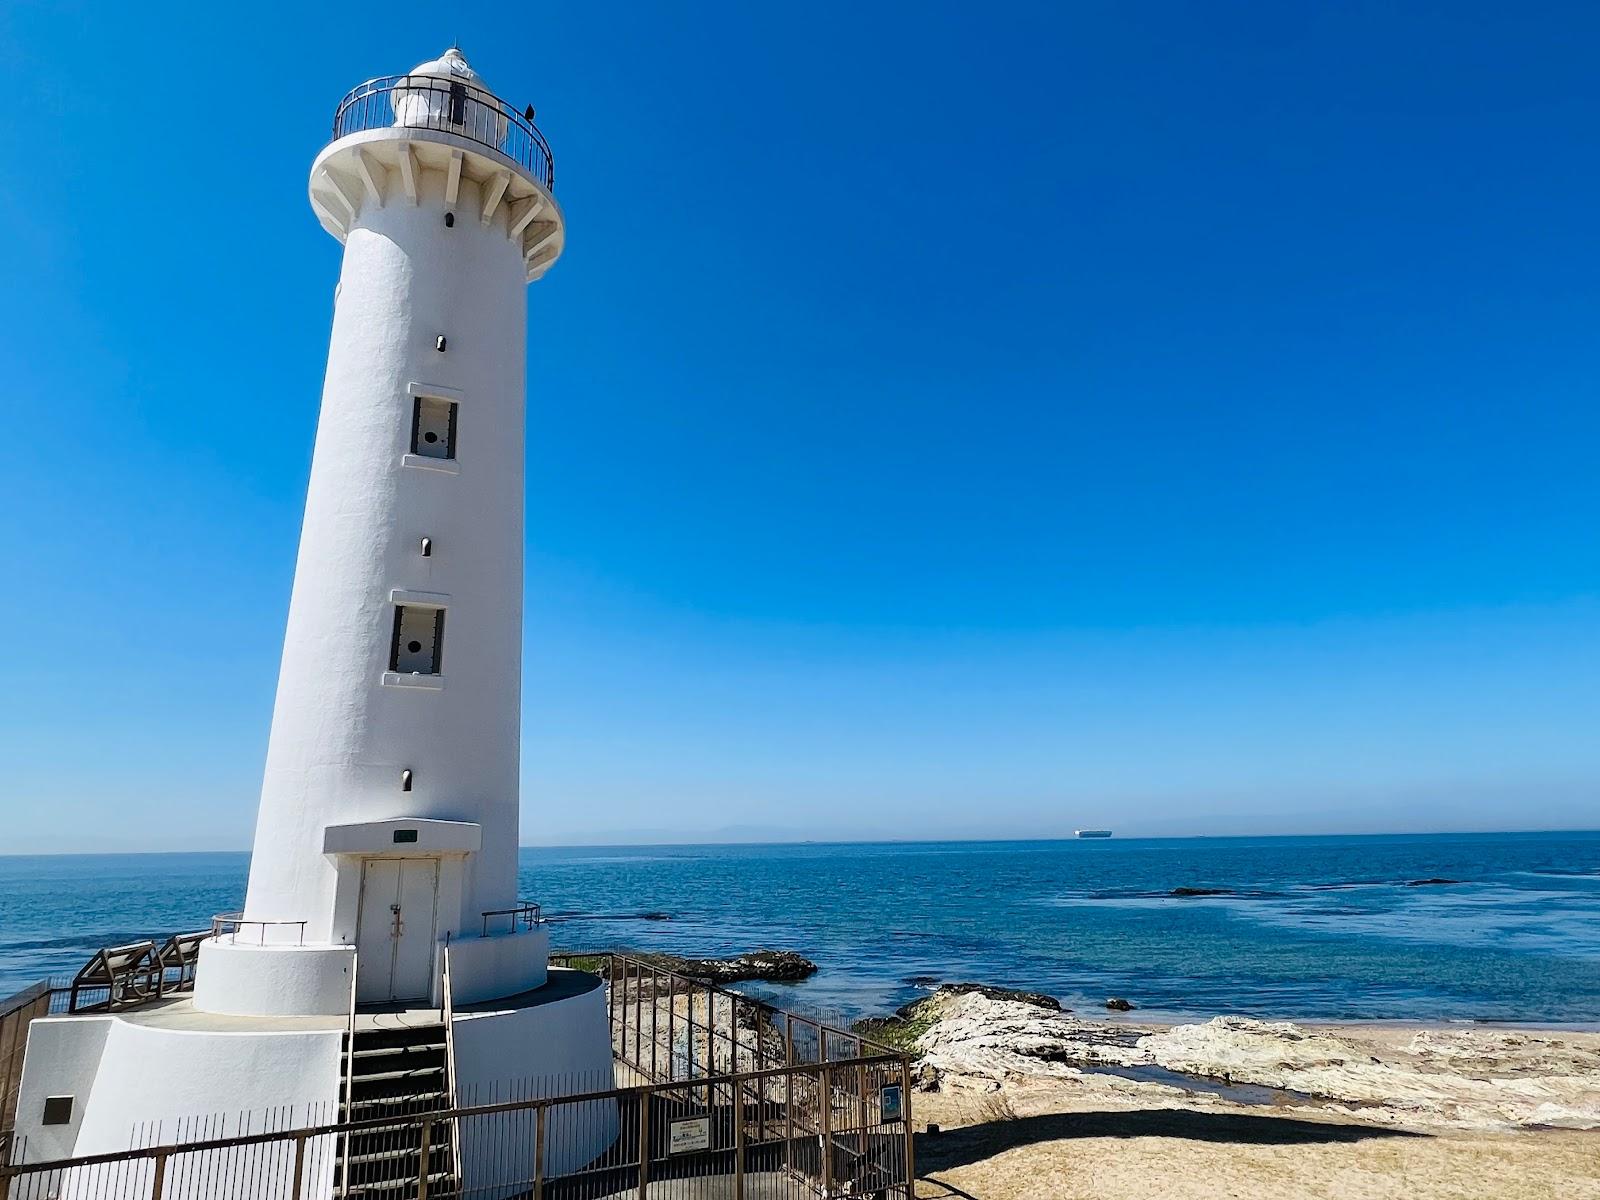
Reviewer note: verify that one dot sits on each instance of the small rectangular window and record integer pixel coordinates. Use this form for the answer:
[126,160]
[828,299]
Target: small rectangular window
[418,647]
[433,427]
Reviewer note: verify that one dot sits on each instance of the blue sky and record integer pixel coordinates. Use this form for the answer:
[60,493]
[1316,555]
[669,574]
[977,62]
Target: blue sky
[947,419]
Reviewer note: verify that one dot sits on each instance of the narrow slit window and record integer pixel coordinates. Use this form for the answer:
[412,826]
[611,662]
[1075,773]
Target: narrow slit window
[418,647]
[433,427]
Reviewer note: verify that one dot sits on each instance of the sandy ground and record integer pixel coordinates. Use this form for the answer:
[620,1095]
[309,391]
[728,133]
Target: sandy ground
[1378,1112]
[1046,1144]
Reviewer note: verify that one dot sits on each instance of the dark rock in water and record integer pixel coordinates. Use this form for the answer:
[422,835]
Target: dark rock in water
[920,980]
[999,993]
[1198,891]
[1430,882]
[1118,1004]
[655,916]
[776,966]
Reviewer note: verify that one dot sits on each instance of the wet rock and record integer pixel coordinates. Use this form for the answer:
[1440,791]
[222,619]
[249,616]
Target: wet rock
[1118,1004]
[1430,882]
[1038,999]
[1200,891]
[775,966]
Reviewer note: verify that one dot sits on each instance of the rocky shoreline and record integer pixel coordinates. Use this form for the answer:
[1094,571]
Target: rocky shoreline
[975,1038]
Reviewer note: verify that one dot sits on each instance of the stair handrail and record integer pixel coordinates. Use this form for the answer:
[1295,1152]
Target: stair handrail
[447,1010]
[349,1075]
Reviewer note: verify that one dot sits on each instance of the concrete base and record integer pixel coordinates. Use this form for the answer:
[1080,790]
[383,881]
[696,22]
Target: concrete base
[240,979]
[157,1074]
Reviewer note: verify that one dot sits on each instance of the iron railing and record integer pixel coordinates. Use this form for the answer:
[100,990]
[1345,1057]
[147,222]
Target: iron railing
[525,914]
[448,106]
[233,924]
[730,1098]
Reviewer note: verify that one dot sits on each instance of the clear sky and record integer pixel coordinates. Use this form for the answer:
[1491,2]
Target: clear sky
[947,419]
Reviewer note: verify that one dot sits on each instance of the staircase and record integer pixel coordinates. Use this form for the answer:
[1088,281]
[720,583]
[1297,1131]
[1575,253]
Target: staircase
[398,1072]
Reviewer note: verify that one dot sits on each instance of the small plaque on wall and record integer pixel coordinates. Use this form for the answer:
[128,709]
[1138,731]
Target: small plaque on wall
[404,836]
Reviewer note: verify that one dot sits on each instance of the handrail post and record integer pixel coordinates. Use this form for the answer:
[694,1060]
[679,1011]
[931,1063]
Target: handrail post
[788,1090]
[159,1182]
[425,1141]
[911,1137]
[298,1182]
[538,1152]
[825,1123]
[644,1141]
[739,1138]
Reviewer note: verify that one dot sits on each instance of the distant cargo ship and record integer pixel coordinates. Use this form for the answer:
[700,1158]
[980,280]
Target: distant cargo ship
[1088,833]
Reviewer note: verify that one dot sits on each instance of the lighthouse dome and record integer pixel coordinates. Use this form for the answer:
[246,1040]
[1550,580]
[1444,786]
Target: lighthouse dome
[452,64]
[446,93]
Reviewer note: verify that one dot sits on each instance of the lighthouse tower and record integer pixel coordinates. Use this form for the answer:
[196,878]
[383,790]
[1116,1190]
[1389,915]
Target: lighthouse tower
[385,854]
[388,817]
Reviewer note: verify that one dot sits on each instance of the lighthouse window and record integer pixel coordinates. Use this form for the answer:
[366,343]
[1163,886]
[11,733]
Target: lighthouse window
[433,427]
[418,640]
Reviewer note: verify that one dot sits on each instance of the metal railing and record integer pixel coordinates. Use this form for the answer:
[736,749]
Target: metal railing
[739,1100]
[16,1011]
[448,106]
[232,924]
[525,914]
[348,1082]
[447,1005]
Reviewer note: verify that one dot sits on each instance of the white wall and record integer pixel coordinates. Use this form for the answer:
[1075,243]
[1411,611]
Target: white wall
[63,1059]
[261,981]
[491,968]
[340,737]
[135,1084]
[550,1049]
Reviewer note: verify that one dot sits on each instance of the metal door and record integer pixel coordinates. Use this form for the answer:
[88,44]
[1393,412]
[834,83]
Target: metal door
[395,933]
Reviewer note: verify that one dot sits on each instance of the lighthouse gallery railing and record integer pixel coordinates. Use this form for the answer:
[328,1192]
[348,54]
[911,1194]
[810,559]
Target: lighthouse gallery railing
[447,106]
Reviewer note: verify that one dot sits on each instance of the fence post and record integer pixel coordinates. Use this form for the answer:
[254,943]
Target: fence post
[538,1152]
[299,1166]
[911,1138]
[644,1141]
[638,1017]
[655,1015]
[672,1019]
[788,1091]
[738,1138]
[861,1089]
[825,1123]
[611,997]
[426,1143]
[159,1183]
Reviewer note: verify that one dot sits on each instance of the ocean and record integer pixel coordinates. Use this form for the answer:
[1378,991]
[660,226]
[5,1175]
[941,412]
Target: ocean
[1460,927]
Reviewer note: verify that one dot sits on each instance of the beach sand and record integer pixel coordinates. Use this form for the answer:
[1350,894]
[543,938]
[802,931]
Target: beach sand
[1055,1146]
[1030,1105]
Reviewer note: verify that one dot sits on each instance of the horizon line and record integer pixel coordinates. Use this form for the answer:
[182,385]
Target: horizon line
[930,841]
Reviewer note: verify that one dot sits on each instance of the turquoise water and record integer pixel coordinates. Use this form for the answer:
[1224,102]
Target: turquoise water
[1310,927]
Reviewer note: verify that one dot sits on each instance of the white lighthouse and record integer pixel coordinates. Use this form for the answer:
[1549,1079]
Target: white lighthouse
[388,815]
[385,854]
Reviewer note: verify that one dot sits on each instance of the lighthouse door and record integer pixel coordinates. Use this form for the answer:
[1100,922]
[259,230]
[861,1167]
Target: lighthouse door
[395,933]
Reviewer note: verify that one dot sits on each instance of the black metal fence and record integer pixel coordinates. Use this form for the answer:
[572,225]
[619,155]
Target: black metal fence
[447,106]
[15,1013]
[713,1096]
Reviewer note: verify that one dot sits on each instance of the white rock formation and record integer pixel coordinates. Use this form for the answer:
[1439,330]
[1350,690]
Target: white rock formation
[1467,1078]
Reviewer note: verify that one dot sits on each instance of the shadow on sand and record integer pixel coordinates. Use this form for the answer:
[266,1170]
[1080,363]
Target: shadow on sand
[974,1143]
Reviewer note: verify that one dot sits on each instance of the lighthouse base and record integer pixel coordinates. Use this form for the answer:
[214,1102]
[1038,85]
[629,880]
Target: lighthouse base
[167,1072]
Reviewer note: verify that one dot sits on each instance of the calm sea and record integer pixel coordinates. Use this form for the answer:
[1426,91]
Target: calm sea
[1309,927]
